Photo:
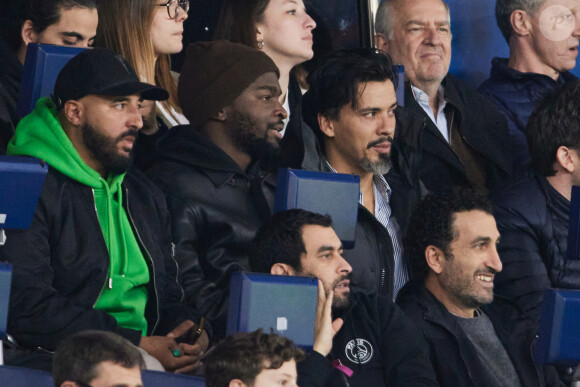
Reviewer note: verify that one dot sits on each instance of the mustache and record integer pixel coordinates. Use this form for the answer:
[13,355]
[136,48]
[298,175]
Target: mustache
[379,141]
[129,133]
[273,125]
[338,280]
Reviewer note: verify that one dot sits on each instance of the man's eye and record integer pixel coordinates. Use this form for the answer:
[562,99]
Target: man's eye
[444,30]
[369,114]
[291,12]
[69,43]
[120,106]
[266,97]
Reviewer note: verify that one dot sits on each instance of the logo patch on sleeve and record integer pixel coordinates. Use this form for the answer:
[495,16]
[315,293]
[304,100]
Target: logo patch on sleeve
[359,351]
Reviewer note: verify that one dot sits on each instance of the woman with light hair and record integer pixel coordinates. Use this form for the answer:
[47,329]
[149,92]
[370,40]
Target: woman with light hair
[146,33]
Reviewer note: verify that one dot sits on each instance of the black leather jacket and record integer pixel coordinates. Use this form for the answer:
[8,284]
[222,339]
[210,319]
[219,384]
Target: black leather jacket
[60,264]
[216,210]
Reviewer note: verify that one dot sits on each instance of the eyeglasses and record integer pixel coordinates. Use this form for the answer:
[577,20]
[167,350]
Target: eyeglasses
[173,7]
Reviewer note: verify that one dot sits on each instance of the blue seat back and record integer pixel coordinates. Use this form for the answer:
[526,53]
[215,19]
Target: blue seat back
[166,379]
[42,64]
[558,334]
[21,377]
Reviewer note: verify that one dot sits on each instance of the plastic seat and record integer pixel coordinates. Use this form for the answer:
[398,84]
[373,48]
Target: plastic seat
[164,379]
[18,377]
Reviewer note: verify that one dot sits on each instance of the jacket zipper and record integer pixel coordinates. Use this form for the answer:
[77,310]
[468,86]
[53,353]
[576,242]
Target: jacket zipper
[148,257]
[109,262]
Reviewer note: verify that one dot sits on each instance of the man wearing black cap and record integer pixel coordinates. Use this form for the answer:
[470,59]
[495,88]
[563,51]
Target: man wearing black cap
[98,252]
[211,171]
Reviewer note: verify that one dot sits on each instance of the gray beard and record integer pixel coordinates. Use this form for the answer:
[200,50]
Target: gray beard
[379,167]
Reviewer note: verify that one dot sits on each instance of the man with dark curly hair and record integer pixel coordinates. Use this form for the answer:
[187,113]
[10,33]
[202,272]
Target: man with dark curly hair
[474,338]
[254,359]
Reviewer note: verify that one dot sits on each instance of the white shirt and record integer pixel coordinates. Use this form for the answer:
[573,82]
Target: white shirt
[423,100]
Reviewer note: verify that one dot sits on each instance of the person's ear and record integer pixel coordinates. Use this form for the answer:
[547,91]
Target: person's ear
[221,116]
[326,125]
[282,269]
[236,383]
[520,22]
[259,38]
[435,259]
[74,112]
[381,42]
[567,158]
[27,33]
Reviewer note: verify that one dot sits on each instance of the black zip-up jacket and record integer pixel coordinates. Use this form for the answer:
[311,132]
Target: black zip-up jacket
[216,209]
[482,126]
[378,343]
[454,358]
[61,263]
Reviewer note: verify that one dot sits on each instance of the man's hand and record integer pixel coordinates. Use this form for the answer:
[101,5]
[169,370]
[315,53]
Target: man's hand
[324,327]
[196,349]
[163,347]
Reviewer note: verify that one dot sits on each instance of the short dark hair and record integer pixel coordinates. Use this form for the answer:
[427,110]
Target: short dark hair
[335,83]
[44,13]
[244,355]
[78,356]
[279,240]
[432,223]
[555,122]
[505,8]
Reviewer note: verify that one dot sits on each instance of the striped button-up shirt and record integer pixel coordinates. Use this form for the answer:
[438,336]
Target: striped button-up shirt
[384,215]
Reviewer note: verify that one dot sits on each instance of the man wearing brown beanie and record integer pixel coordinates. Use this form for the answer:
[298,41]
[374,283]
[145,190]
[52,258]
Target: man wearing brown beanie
[211,170]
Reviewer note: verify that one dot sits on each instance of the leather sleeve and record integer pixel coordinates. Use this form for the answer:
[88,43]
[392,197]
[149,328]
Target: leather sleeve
[205,268]
[173,308]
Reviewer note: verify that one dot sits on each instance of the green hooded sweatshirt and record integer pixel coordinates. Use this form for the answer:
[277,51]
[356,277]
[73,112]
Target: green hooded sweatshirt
[124,295]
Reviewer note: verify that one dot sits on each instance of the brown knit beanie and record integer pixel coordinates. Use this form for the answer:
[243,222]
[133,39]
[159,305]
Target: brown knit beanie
[215,74]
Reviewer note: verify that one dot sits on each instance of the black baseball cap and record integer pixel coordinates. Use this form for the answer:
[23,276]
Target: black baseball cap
[102,72]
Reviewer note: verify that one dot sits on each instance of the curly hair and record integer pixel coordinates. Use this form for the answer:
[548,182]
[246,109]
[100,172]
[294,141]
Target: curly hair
[244,355]
[433,221]
[555,122]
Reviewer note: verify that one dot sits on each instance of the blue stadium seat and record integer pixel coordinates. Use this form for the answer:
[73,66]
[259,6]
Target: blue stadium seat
[19,377]
[165,379]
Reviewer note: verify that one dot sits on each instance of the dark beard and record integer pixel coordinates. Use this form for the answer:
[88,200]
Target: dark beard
[244,135]
[104,149]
